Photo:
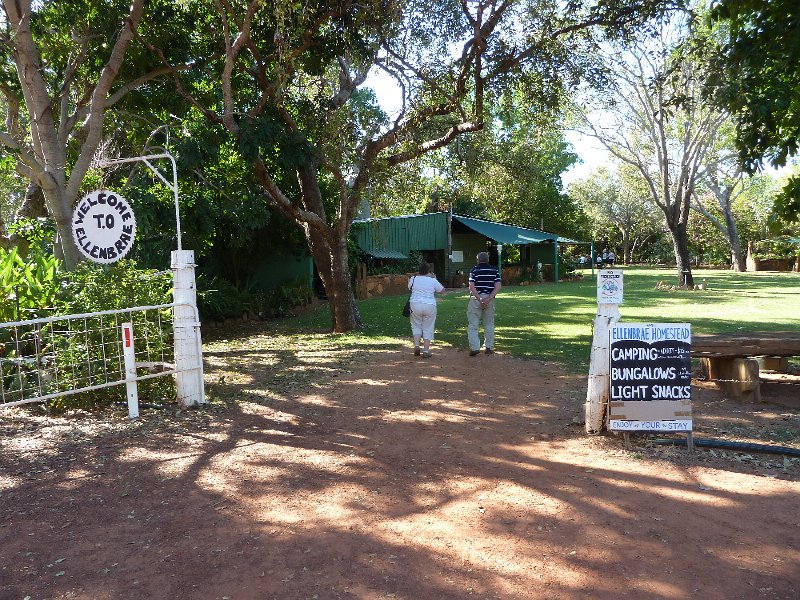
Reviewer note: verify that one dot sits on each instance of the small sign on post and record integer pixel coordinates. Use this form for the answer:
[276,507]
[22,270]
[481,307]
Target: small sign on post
[609,286]
[651,377]
[129,355]
[609,297]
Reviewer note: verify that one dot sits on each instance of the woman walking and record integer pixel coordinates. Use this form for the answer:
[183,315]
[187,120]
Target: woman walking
[423,308]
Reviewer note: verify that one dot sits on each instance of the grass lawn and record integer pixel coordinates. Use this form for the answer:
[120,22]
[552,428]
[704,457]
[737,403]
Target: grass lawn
[554,322]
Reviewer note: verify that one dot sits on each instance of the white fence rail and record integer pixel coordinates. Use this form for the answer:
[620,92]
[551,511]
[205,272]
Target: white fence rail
[43,359]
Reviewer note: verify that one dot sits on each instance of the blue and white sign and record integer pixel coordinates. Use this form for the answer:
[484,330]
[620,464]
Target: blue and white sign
[609,286]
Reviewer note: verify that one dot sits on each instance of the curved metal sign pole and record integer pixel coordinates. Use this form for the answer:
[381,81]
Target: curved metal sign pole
[173,186]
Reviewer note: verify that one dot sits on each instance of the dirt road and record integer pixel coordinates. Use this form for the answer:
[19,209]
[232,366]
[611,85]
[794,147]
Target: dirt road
[444,478]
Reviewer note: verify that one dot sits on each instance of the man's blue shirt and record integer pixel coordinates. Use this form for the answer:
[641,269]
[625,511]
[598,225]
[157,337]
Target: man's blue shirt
[484,277]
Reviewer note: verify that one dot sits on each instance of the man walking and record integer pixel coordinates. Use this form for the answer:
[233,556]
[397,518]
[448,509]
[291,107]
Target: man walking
[484,283]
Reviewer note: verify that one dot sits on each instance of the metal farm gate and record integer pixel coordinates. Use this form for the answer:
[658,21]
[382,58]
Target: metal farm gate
[44,359]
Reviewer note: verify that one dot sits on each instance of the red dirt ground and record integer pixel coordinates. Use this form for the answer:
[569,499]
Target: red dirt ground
[447,478]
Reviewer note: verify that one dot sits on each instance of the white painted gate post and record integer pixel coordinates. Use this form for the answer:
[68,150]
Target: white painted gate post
[129,354]
[597,391]
[186,324]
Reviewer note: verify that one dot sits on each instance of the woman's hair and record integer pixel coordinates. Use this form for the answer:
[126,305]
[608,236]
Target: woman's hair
[424,268]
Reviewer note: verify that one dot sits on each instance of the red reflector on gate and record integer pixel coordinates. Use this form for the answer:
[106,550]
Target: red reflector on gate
[127,337]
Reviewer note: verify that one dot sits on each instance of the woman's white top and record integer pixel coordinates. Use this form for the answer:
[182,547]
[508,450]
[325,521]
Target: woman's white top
[423,289]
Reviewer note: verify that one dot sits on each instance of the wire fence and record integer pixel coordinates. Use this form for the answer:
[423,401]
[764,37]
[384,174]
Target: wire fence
[44,359]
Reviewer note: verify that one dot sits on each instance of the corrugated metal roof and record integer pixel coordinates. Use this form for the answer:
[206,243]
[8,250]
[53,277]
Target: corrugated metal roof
[395,237]
[506,234]
[402,234]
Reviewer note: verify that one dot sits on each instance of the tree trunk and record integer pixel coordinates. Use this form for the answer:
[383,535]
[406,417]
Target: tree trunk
[52,138]
[60,210]
[626,245]
[332,264]
[680,243]
[738,259]
[344,312]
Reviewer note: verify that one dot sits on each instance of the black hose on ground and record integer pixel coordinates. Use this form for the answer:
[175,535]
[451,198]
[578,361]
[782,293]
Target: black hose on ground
[725,445]
[145,405]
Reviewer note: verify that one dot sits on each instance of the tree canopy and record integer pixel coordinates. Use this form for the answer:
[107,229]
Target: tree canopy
[286,83]
[757,78]
[63,67]
[279,87]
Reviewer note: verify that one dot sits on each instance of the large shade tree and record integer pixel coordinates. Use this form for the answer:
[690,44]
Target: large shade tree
[661,127]
[285,80]
[721,182]
[618,200]
[510,171]
[512,168]
[63,67]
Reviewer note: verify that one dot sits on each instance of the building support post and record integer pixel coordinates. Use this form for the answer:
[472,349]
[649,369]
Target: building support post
[555,260]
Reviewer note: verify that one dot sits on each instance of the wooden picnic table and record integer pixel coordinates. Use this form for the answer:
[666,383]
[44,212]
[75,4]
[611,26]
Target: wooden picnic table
[729,359]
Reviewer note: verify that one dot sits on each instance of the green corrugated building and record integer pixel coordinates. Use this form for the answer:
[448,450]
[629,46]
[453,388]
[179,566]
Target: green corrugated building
[450,242]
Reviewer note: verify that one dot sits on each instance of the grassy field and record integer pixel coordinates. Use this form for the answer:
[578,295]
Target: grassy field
[554,322]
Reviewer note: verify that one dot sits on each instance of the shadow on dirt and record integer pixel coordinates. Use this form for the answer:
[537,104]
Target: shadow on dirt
[382,476]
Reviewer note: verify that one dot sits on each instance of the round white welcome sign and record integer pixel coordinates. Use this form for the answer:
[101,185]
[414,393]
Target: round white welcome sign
[104,226]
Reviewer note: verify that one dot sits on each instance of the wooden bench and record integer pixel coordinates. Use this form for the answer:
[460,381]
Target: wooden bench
[729,359]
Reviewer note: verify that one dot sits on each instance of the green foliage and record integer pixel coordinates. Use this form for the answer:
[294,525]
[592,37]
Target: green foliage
[28,288]
[376,266]
[157,390]
[218,299]
[36,232]
[354,252]
[779,247]
[756,76]
[264,136]
[658,251]
[12,189]
[56,358]
[280,302]
[401,191]
[510,172]
[29,285]
[707,244]
[92,288]
[787,204]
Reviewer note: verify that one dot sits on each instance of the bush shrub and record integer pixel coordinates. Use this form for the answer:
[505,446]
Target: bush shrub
[776,248]
[51,357]
[29,279]
[218,299]
[93,288]
[280,302]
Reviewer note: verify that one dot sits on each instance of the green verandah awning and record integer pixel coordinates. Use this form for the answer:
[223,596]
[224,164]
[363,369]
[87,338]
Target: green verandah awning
[510,234]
